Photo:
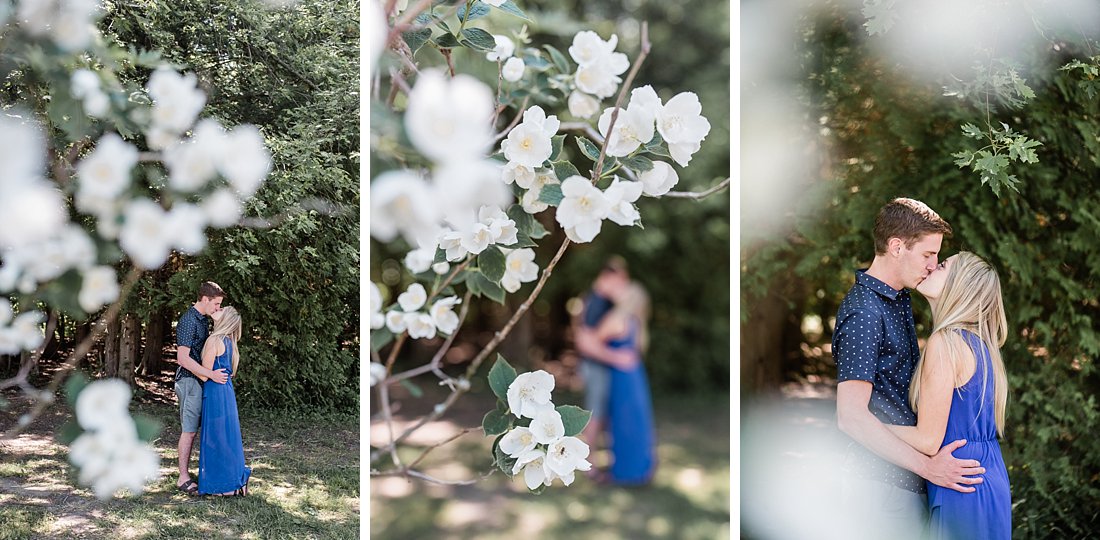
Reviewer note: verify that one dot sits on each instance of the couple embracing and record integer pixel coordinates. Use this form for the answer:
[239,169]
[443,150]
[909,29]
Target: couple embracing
[928,462]
[208,361]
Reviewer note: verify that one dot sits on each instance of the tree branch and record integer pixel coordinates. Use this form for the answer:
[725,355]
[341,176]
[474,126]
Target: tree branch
[698,195]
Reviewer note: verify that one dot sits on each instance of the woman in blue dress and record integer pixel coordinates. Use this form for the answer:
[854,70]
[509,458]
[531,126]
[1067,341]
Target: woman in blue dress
[619,341]
[960,392]
[222,470]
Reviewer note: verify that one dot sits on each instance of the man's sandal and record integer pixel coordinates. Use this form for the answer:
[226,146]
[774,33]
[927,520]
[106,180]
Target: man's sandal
[189,487]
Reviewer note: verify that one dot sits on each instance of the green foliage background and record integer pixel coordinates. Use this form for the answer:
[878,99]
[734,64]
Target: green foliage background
[1043,241]
[295,74]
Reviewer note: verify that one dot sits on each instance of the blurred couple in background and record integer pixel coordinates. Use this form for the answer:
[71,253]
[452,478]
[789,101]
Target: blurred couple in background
[611,335]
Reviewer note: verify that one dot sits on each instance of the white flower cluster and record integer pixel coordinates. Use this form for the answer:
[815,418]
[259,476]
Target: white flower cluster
[542,451]
[598,65]
[513,67]
[86,87]
[519,268]
[18,333]
[32,209]
[493,227]
[527,148]
[680,123]
[109,454]
[440,317]
[68,23]
[448,121]
[584,207]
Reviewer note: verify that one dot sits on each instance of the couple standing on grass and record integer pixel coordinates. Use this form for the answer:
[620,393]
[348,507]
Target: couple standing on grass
[207,398]
[934,415]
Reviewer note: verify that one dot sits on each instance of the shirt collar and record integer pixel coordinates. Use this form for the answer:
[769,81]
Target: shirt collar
[197,314]
[877,285]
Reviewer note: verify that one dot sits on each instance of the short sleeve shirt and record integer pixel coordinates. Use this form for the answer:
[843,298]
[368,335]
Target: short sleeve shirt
[595,307]
[876,341]
[192,331]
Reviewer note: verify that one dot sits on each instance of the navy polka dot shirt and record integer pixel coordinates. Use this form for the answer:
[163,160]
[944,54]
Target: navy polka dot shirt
[876,341]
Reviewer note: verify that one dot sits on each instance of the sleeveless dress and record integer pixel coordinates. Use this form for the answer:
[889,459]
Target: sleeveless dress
[630,415]
[986,513]
[221,454]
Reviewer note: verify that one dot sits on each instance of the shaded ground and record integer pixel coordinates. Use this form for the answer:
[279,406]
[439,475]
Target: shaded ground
[689,499]
[305,481]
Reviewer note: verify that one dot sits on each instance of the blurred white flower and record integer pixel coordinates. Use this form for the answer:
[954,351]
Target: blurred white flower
[103,403]
[6,312]
[194,162]
[27,333]
[519,268]
[245,161]
[512,70]
[222,208]
[395,321]
[447,119]
[521,174]
[413,298]
[100,287]
[529,143]
[633,128]
[443,315]
[529,393]
[146,233]
[503,50]
[601,77]
[401,202]
[105,173]
[377,320]
[420,325]
[110,461]
[377,373]
[420,259]
[377,31]
[86,87]
[22,151]
[67,22]
[441,267]
[588,47]
[462,188]
[30,212]
[177,102]
[658,180]
[187,223]
[532,464]
[495,3]
[479,237]
[582,210]
[518,441]
[621,196]
[583,105]
[682,126]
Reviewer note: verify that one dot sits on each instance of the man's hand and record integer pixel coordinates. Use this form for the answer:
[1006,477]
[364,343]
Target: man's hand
[219,376]
[946,471]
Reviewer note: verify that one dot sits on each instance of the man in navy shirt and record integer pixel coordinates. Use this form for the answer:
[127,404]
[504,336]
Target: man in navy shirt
[191,333]
[875,347]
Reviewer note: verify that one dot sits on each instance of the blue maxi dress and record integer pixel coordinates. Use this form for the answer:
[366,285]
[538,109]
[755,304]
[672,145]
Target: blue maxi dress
[630,415]
[221,454]
[986,513]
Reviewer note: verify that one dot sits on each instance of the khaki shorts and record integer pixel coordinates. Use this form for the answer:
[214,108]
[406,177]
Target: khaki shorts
[189,393]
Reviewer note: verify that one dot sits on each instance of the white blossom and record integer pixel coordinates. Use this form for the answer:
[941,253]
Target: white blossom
[583,105]
[479,237]
[443,315]
[566,455]
[420,259]
[519,268]
[582,209]
[177,102]
[67,22]
[222,208]
[588,47]
[530,200]
[245,161]
[503,50]
[377,31]
[27,333]
[502,228]
[513,69]
[413,298]
[495,3]
[395,321]
[401,202]
[30,212]
[377,320]
[114,459]
[103,403]
[532,464]
[22,151]
[86,87]
[447,119]
[186,224]
[420,325]
[547,426]
[519,173]
[601,78]
[106,171]
[451,242]
[441,267]
[461,188]
[517,442]
[146,233]
[6,312]
[530,393]
[633,128]
[621,196]
[100,287]
[681,123]
[194,162]
[658,180]
[377,373]
[529,143]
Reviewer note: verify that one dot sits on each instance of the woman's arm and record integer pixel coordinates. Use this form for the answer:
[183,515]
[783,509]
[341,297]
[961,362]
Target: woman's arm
[593,343]
[937,383]
[210,352]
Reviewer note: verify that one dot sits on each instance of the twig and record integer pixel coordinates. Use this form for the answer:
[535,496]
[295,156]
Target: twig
[383,390]
[698,195]
[422,476]
[519,115]
[437,445]
[583,127]
[622,94]
[78,354]
[437,360]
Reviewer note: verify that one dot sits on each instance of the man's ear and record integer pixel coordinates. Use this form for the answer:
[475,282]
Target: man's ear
[894,245]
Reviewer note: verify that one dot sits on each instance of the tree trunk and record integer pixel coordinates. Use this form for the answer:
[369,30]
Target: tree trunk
[128,347]
[111,348]
[51,345]
[152,361]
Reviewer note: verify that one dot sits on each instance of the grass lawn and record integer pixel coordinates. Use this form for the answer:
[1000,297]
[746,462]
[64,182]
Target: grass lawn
[689,499]
[305,482]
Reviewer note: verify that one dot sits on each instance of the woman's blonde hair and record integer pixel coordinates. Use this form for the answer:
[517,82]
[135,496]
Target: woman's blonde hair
[971,300]
[635,304]
[228,326]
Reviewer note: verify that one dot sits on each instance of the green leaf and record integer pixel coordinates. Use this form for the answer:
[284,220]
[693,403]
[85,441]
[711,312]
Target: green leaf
[483,287]
[495,422]
[1022,149]
[501,460]
[563,170]
[491,263]
[440,255]
[972,131]
[537,230]
[147,427]
[380,338]
[76,382]
[412,388]
[574,418]
[418,38]
[638,164]
[992,163]
[558,58]
[511,7]
[588,148]
[69,431]
[551,194]
[556,143]
[479,39]
[501,376]
[477,11]
[523,240]
[524,221]
[446,41]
